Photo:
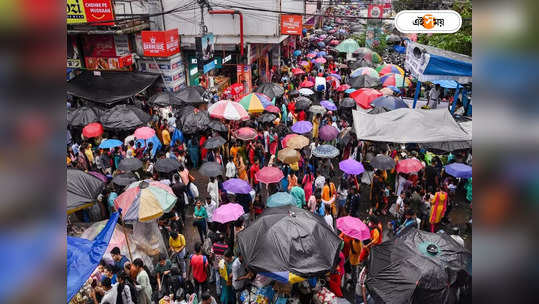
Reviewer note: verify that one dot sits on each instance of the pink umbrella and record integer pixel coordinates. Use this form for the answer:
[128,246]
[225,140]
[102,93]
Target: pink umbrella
[343,87]
[321,60]
[334,42]
[286,138]
[297,71]
[144,133]
[245,133]
[354,228]
[304,63]
[311,55]
[269,175]
[227,213]
[272,109]
[409,165]
[306,84]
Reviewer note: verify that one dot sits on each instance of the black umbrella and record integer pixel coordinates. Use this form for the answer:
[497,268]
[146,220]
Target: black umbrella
[303,103]
[130,164]
[347,102]
[165,99]
[166,165]
[293,93]
[194,122]
[270,89]
[211,169]
[382,162]
[378,110]
[389,102]
[289,239]
[266,117]
[192,95]
[82,116]
[82,189]
[364,81]
[217,126]
[418,267]
[214,142]
[124,179]
[124,117]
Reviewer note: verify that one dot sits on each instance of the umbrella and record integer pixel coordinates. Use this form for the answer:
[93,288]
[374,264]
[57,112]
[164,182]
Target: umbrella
[82,116]
[347,46]
[365,96]
[130,164]
[409,165]
[227,109]
[211,169]
[325,151]
[94,129]
[350,91]
[82,189]
[304,63]
[320,60]
[394,89]
[110,143]
[347,103]
[192,95]
[255,102]
[382,162]
[289,239]
[245,133]
[293,93]
[351,166]
[459,170]
[194,122]
[328,105]
[389,102]
[395,80]
[354,228]
[280,199]
[297,53]
[269,175]
[288,156]
[164,99]
[235,89]
[167,165]
[418,267]
[346,136]
[316,109]
[388,91]
[217,126]
[214,142]
[328,133]
[124,117]
[322,54]
[284,141]
[145,201]
[370,56]
[336,76]
[378,110]
[144,133]
[271,90]
[302,127]
[227,213]
[298,71]
[306,84]
[297,142]
[306,92]
[364,71]
[389,68]
[272,109]
[334,42]
[365,81]
[237,185]
[311,55]
[303,103]
[266,118]
[343,87]
[321,44]
[101,177]
[124,179]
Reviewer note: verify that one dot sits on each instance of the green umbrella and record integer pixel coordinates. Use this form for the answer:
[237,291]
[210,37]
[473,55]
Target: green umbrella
[280,199]
[347,46]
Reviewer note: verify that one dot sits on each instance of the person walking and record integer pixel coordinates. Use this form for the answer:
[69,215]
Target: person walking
[199,269]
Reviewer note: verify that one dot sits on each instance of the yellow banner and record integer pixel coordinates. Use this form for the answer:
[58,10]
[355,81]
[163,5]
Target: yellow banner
[75,12]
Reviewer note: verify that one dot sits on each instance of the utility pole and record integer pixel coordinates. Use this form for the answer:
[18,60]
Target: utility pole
[203,3]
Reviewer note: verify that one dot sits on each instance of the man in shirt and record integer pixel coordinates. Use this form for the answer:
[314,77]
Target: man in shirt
[434,96]
[239,276]
[162,271]
[110,293]
[109,274]
[218,251]
[119,259]
[198,269]
[165,134]
[230,169]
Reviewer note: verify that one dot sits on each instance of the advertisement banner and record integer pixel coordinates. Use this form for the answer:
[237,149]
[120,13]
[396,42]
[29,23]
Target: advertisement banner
[121,44]
[291,24]
[73,53]
[244,77]
[205,47]
[99,46]
[375,11]
[110,64]
[160,43]
[83,11]
[75,12]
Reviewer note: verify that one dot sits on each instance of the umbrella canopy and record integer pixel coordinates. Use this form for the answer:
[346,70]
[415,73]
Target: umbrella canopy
[130,164]
[418,267]
[347,46]
[326,151]
[389,68]
[235,89]
[144,133]
[351,166]
[269,175]
[303,103]
[382,162]
[306,84]
[334,42]
[297,53]
[284,141]
[217,126]
[395,80]
[255,102]
[288,156]
[289,239]
[124,117]
[364,71]
[365,81]
[354,228]
[193,122]
[237,185]
[145,201]
[227,213]
[164,99]
[297,71]
[302,127]
[389,102]
[266,117]
[328,105]
[459,170]
[166,165]
[378,110]
[124,179]
[214,142]
[101,177]
[192,95]
[82,189]
[316,109]
[293,93]
[272,109]
[320,60]
[347,103]
[409,165]
[306,92]
[388,91]
[328,133]
[228,110]
[297,142]
[82,116]
[94,129]
[365,96]
[110,143]
[211,169]
[280,199]
[271,90]
[245,133]
[346,135]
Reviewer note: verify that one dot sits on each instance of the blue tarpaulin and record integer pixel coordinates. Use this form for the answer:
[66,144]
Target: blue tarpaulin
[448,84]
[177,135]
[439,65]
[84,255]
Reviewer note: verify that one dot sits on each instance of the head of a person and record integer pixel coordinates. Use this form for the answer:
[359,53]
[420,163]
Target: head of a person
[108,271]
[229,255]
[208,200]
[106,283]
[437,86]
[206,298]
[409,213]
[372,221]
[138,264]
[115,253]
[198,247]
[181,168]
[162,259]
[150,145]
[174,235]
[238,223]
[199,203]
[212,179]
[122,277]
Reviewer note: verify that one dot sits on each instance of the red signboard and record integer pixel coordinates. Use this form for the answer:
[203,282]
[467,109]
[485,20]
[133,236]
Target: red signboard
[99,46]
[99,10]
[291,24]
[160,43]
[375,11]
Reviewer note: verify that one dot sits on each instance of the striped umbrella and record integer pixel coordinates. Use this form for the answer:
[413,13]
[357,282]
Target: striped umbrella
[228,110]
[395,80]
[364,71]
[145,200]
[255,102]
[389,68]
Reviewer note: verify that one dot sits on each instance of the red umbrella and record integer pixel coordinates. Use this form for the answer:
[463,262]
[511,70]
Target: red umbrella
[297,71]
[245,133]
[365,96]
[343,87]
[269,175]
[94,129]
[144,133]
[409,165]
[306,84]
[272,109]
[236,88]
[334,42]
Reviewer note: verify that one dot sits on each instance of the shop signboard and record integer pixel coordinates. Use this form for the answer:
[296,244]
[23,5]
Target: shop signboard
[291,24]
[90,11]
[160,43]
[107,52]
[244,76]
[227,58]
[375,11]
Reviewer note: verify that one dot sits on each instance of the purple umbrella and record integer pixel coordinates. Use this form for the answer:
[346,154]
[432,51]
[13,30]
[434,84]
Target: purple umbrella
[328,133]
[459,170]
[336,76]
[302,127]
[236,185]
[351,166]
[227,213]
[102,177]
[328,105]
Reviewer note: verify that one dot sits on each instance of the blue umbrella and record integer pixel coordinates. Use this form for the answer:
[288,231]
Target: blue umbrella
[110,143]
[280,199]
[297,53]
[389,102]
[350,91]
[394,89]
[459,170]
[336,76]
[322,54]
[321,44]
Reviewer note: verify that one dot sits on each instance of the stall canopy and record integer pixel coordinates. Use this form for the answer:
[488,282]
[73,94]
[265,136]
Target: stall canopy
[84,255]
[109,87]
[409,126]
